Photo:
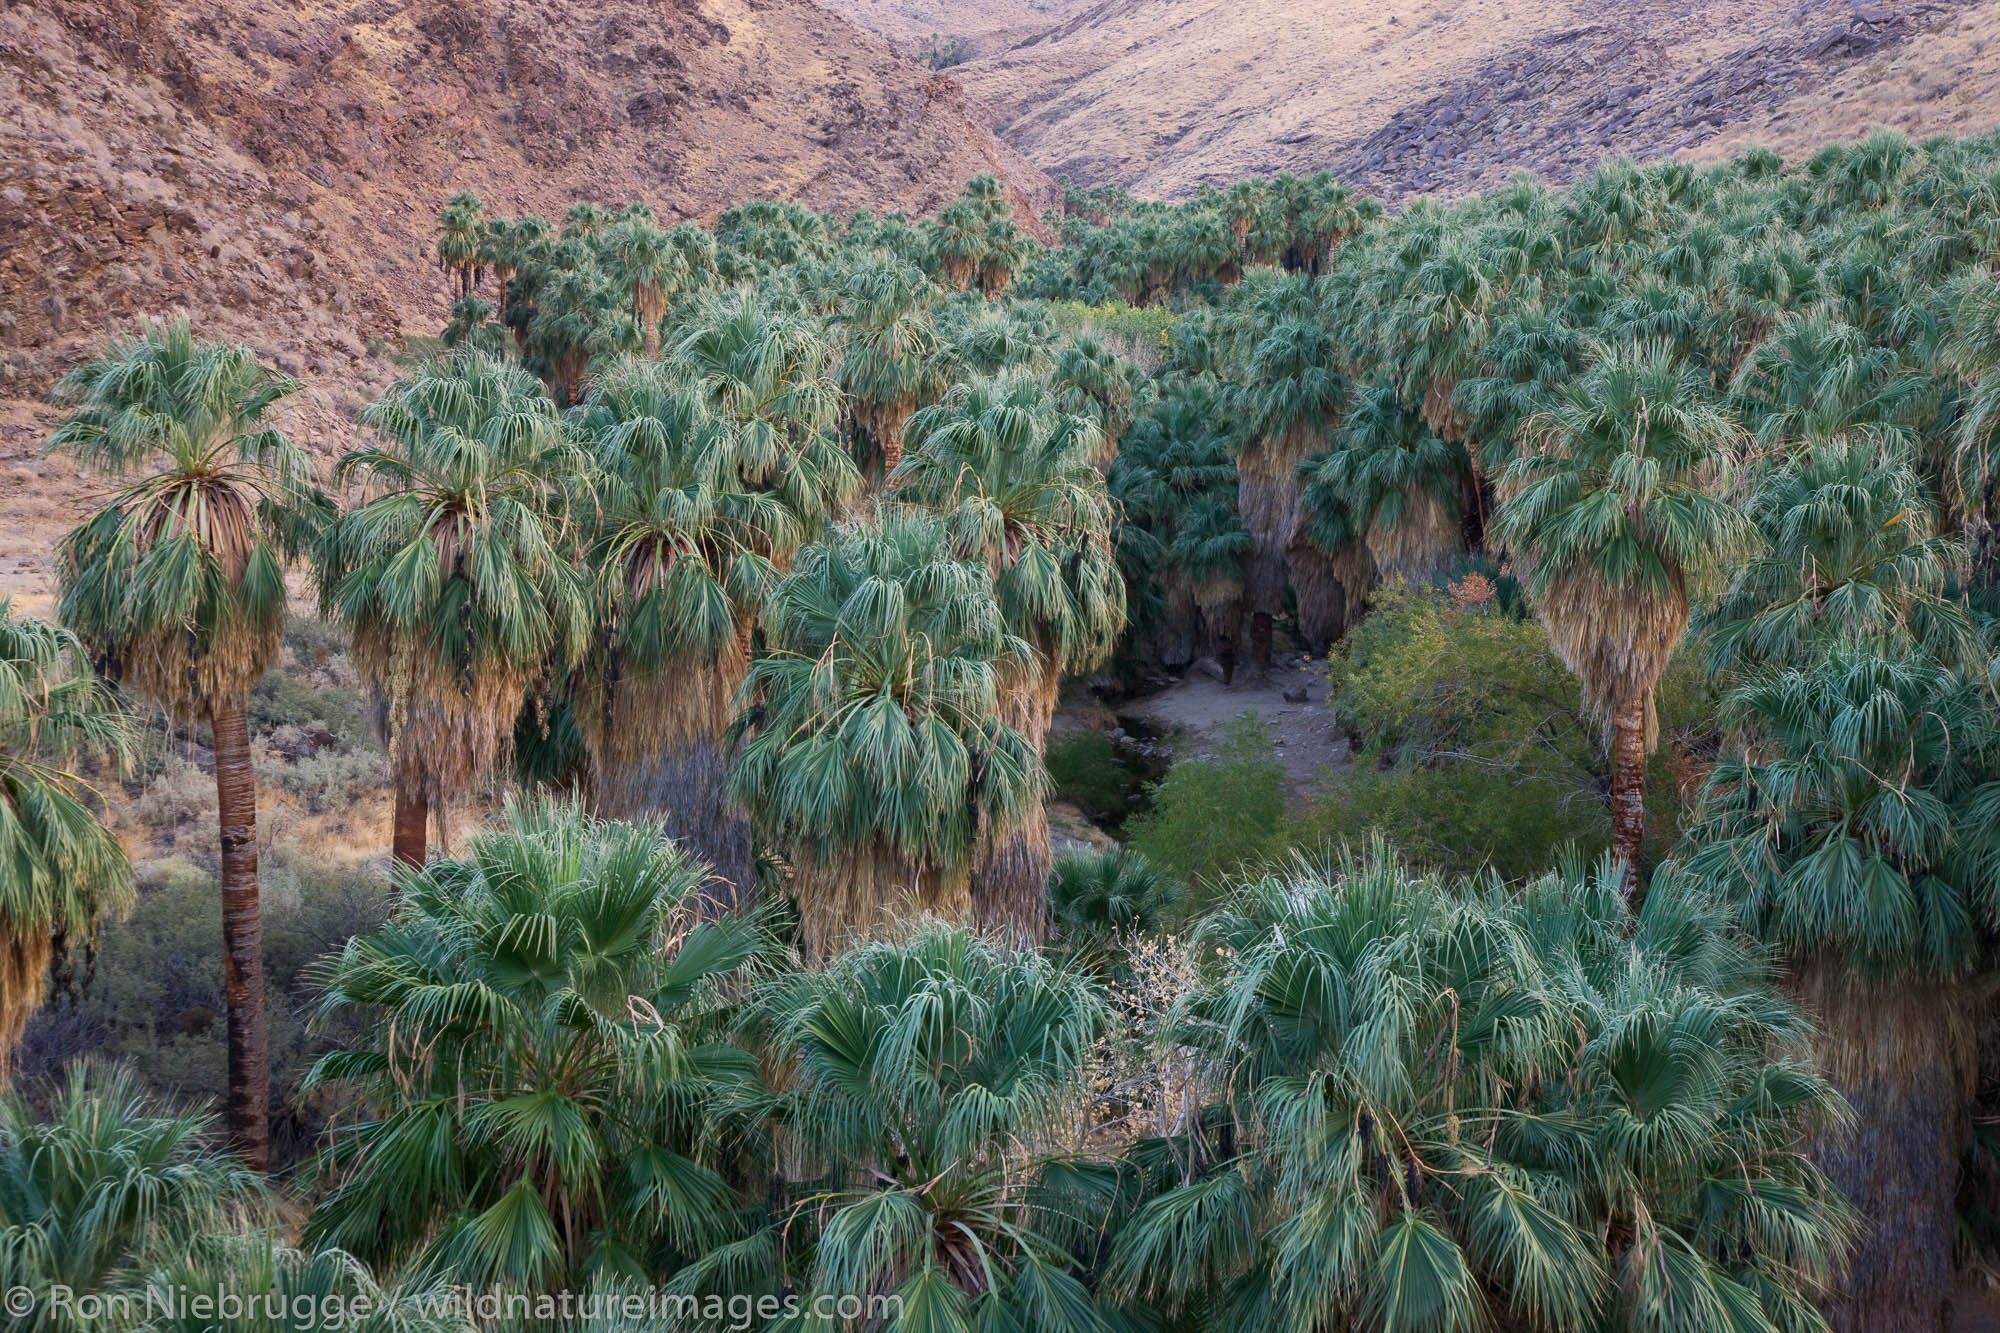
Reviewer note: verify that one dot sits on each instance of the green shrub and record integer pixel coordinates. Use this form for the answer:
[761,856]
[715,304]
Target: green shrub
[1472,746]
[1084,770]
[1138,333]
[288,698]
[327,780]
[1097,897]
[1213,817]
[1453,818]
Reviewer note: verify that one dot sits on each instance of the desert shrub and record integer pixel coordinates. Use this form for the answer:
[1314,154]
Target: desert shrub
[324,780]
[152,1000]
[1453,818]
[315,686]
[1138,333]
[1431,675]
[290,697]
[1216,815]
[178,794]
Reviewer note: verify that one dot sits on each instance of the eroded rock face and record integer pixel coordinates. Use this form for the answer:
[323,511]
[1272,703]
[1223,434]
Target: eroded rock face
[274,166]
[1404,97]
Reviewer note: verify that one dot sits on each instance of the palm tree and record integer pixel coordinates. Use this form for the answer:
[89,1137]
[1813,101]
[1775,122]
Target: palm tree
[874,760]
[283,1290]
[1289,396]
[542,1071]
[764,370]
[926,1071]
[502,243]
[461,242]
[61,871]
[583,317]
[645,261]
[684,541]
[1006,250]
[960,240]
[1402,485]
[1615,513]
[452,576]
[177,584]
[1100,899]
[1090,381]
[1181,535]
[107,1188]
[891,362]
[1852,554]
[1013,476]
[1460,1106]
[1973,351]
[1241,205]
[1858,827]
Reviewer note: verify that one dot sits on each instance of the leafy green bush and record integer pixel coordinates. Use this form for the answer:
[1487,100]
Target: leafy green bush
[1215,816]
[1457,818]
[1472,745]
[1139,333]
[1084,770]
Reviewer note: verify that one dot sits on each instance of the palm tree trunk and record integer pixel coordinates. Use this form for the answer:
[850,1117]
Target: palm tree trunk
[24,967]
[688,791]
[409,840]
[1010,866]
[1010,878]
[890,419]
[1905,1054]
[1260,640]
[1319,591]
[242,936]
[1628,787]
[867,892]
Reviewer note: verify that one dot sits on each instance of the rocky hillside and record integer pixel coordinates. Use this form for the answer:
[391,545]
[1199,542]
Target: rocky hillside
[1407,96]
[972,27]
[275,167]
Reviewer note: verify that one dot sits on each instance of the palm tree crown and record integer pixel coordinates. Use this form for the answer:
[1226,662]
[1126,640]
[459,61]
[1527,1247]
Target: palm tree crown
[178,580]
[61,871]
[541,1069]
[873,754]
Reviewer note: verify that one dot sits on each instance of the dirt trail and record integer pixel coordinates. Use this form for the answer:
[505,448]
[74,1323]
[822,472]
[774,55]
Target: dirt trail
[1308,741]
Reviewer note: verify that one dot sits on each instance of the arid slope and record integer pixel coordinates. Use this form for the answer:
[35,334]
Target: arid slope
[1407,96]
[275,167]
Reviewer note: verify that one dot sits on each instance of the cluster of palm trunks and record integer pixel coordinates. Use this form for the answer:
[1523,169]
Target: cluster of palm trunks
[782,538]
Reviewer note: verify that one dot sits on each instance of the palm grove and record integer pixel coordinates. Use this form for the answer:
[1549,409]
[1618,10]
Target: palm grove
[780,540]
